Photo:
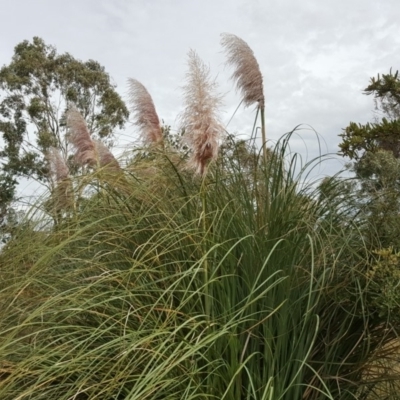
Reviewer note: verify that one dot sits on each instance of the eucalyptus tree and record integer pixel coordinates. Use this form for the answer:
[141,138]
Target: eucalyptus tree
[36,88]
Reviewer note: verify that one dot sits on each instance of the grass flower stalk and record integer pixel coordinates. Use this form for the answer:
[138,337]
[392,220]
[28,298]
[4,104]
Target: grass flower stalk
[247,76]
[144,113]
[200,119]
[79,136]
[59,172]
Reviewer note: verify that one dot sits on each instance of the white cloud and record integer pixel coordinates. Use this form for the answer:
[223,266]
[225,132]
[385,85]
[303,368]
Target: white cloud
[316,57]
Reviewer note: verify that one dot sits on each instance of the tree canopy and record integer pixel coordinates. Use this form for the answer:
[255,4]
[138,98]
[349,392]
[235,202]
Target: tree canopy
[374,149]
[382,134]
[35,90]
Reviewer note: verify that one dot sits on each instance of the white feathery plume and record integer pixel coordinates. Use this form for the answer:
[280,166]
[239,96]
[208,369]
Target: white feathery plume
[200,119]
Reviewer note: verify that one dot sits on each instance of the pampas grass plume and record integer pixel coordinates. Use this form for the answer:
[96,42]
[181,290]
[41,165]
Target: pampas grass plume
[58,167]
[88,151]
[63,190]
[79,137]
[247,74]
[144,111]
[106,158]
[200,119]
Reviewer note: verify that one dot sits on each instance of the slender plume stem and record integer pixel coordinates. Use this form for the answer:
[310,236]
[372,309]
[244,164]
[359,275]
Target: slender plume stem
[263,134]
[247,76]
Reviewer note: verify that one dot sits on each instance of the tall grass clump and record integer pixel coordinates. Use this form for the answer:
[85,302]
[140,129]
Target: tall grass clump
[247,282]
[114,304]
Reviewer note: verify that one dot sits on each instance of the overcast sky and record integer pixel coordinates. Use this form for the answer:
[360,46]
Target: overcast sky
[316,56]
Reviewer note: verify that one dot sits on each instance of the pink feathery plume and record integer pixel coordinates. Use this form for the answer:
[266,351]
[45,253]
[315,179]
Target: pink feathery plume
[144,112]
[200,119]
[106,158]
[248,77]
[63,190]
[79,137]
[247,74]
[58,167]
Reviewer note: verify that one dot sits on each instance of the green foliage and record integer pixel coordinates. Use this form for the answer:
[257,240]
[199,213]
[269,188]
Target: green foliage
[386,91]
[358,139]
[375,151]
[379,194]
[373,201]
[7,192]
[36,88]
[241,285]
[385,134]
[384,276]
[248,283]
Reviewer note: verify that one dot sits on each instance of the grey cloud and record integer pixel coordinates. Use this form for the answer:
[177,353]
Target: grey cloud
[316,56]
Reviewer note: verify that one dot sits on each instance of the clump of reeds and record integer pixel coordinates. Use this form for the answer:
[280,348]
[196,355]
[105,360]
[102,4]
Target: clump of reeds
[200,119]
[246,75]
[145,114]
[112,304]
[138,299]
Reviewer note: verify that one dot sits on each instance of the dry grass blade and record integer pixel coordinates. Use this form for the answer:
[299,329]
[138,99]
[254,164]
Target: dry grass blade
[79,136]
[145,114]
[200,120]
[247,74]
